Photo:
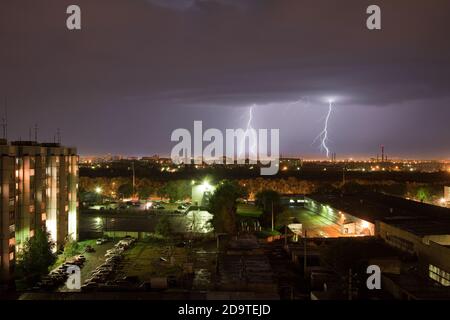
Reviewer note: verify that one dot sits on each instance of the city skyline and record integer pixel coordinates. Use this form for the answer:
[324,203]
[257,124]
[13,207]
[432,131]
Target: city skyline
[123,83]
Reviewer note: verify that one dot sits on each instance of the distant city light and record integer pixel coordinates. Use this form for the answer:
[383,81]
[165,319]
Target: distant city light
[148,205]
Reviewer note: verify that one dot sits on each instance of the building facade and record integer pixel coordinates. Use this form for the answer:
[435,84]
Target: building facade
[38,188]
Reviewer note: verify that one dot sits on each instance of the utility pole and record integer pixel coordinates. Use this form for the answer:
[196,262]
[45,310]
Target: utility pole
[285,236]
[349,284]
[304,253]
[272,217]
[134,178]
[343,175]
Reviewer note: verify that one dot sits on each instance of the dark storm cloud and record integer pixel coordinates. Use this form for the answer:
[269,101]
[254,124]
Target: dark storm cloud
[139,69]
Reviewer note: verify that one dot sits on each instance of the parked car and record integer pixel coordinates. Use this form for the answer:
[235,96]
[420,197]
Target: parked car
[181,244]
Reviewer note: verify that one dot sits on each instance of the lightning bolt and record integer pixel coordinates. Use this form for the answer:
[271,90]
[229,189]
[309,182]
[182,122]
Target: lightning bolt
[323,135]
[250,118]
[252,147]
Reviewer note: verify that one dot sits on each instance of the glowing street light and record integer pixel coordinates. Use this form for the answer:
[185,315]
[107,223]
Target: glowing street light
[98,190]
[206,186]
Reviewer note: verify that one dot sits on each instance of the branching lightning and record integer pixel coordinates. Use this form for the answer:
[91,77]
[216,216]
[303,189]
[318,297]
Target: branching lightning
[323,135]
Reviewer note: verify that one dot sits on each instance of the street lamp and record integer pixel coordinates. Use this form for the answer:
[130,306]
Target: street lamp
[98,190]
[206,186]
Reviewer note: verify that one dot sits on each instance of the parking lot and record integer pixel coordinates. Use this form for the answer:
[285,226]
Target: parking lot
[316,225]
[103,275]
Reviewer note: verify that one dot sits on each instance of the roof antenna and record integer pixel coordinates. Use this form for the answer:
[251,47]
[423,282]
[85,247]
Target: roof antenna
[58,135]
[5,121]
[35,132]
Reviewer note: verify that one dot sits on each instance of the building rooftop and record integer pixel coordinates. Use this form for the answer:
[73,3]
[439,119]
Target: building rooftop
[412,216]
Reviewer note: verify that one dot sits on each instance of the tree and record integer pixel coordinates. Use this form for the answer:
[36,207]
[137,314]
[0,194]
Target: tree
[126,190]
[163,227]
[423,194]
[353,187]
[222,204]
[144,191]
[71,248]
[36,257]
[176,190]
[265,200]
[327,188]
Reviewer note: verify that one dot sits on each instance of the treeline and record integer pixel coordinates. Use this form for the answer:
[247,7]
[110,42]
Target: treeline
[153,172]
[179,189]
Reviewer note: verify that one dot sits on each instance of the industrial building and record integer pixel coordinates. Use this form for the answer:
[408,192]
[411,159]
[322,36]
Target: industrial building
[39,183]
[419,230]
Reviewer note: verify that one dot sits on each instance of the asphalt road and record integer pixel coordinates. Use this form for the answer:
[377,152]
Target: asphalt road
[316,225]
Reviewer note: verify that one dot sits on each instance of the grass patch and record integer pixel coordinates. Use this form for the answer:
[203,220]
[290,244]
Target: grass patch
[143,260]
[61,258]
[248,210]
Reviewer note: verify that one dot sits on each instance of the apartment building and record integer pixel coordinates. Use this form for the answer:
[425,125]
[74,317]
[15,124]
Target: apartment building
[38,187]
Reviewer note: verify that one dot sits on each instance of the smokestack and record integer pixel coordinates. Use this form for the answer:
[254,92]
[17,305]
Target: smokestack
[382,153]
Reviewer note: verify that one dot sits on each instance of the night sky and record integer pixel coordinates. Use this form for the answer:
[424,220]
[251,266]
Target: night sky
[139,69]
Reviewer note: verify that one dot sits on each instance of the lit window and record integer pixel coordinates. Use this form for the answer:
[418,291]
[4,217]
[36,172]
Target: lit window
[12,242]
[439,275]
[43,216]
[11,256]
